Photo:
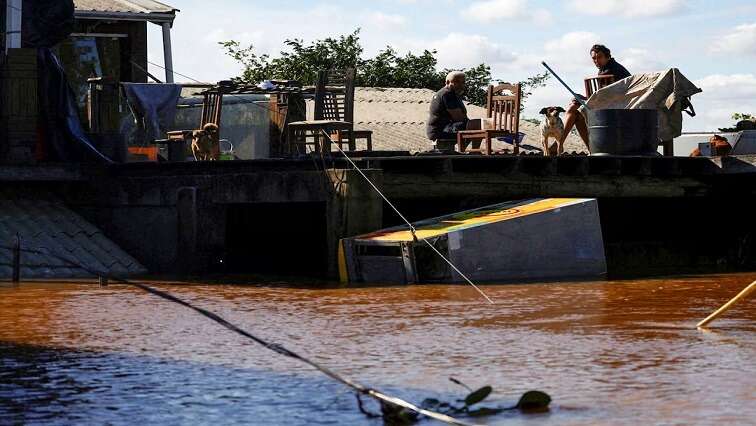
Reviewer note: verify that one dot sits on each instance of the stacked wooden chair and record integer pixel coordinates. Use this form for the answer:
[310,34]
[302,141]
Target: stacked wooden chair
[333,116]
[503,109]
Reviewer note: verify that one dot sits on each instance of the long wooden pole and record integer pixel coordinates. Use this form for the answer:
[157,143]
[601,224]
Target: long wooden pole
[577,97]
[746,291]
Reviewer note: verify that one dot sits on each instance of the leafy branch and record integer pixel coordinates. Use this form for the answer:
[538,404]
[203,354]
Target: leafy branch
[529,402]
[301,61]
[742,121]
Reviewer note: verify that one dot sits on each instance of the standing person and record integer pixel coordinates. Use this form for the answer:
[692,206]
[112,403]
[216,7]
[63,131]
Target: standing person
[448,114]
[603,60]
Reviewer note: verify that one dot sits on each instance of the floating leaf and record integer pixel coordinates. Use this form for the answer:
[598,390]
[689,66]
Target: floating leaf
[396,415]
[484,411]
[453,380]
[478,395]
[534,401]
[430,403]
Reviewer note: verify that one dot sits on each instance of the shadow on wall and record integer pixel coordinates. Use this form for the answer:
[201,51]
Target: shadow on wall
[287,239]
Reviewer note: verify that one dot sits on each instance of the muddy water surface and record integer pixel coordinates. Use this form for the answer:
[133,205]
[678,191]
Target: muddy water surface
[608,353]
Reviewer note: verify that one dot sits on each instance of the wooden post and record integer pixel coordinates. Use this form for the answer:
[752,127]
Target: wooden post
[16,277]
[669,149]
[167,52]
[746,291]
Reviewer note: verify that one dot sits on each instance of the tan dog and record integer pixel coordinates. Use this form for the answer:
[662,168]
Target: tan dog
[552,127]
[204,143]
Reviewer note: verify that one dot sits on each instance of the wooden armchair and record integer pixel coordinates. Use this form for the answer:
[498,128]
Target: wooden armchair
[504,109]
[595,83]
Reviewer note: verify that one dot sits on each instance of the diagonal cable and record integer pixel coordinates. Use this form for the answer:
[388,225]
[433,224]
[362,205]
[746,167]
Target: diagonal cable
[279,349]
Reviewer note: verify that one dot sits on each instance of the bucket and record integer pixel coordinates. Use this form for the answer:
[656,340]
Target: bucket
[226,150]
[510,138]
[623,131]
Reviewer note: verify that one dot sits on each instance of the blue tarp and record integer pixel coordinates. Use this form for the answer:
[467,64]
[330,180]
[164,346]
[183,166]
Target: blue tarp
[153,106]
[60,114]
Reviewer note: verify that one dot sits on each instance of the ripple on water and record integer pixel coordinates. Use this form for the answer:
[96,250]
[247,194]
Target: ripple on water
[619,352]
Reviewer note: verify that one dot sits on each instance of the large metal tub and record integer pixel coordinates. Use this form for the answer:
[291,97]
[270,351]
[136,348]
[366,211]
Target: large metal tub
[623,131]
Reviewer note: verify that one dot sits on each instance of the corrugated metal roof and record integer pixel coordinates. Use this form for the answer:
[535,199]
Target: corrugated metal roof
[143,8]
[45,224]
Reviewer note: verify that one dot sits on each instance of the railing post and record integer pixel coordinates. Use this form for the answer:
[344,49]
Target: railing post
[167,52]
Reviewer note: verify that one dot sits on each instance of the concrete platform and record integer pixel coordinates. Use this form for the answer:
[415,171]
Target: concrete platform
[550,238]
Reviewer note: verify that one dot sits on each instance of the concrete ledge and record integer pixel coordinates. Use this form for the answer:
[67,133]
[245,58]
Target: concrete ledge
[41,173]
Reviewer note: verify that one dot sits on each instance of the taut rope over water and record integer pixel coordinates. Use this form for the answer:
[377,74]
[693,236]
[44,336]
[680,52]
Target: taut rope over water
[358,387]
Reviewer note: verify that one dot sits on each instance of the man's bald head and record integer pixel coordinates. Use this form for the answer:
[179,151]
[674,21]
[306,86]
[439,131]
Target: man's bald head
[456,81]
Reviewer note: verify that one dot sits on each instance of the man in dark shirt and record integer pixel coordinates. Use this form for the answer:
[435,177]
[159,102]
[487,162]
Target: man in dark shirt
[602,58]
[448,114]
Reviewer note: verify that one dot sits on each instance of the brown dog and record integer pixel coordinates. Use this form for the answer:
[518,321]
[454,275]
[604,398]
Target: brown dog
[552,127]
[205,143]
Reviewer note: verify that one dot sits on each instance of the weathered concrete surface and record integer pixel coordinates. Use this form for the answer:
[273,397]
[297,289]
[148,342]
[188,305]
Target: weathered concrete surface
[173,217]
[178,223]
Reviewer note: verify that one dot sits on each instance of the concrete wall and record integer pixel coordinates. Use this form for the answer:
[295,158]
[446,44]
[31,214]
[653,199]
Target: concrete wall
[178,225]
[674,217]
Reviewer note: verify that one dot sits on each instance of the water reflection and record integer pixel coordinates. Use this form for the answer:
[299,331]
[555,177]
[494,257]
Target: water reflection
[620,352]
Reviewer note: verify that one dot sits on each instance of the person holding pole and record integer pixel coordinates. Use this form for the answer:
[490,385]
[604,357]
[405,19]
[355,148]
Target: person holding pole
[603,60]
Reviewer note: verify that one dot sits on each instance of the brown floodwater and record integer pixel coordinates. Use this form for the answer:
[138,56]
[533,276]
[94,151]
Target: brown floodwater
[624,352]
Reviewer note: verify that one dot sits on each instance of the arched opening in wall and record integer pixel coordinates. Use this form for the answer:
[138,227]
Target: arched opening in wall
[278,239]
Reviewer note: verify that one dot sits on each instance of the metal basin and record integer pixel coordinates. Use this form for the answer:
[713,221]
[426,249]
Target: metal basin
[623,131]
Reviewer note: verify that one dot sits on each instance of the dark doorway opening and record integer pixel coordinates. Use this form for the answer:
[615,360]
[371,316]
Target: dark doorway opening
[282,239]
[656,236]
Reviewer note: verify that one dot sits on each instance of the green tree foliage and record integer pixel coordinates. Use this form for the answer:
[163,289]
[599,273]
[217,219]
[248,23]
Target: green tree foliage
[741,122]
[389,69]
[301,61]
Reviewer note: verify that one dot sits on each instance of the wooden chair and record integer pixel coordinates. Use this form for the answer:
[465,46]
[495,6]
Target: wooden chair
[334,114]
[594,83]
[179,140]
[504,110]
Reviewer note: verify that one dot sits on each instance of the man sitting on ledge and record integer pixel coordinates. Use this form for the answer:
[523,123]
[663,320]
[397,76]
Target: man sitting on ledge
[448,114]
[602,58]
